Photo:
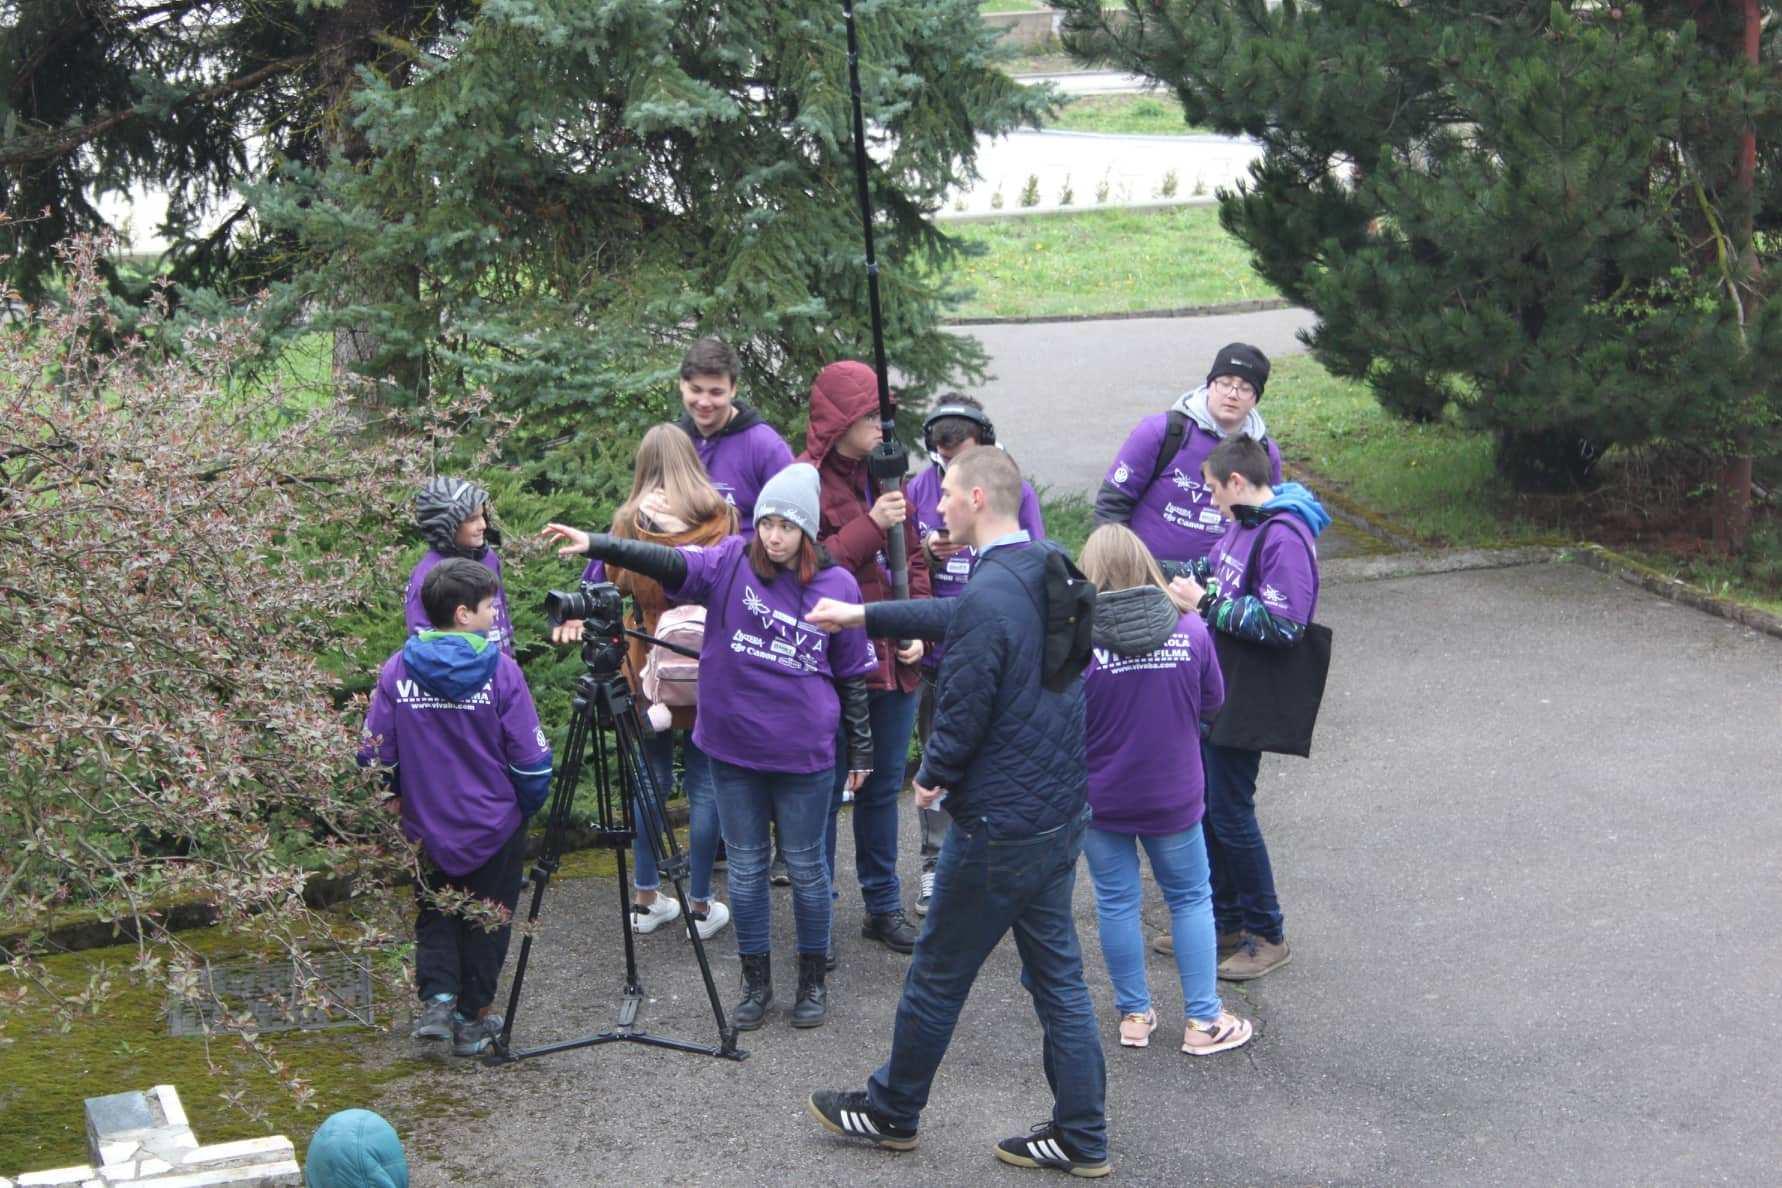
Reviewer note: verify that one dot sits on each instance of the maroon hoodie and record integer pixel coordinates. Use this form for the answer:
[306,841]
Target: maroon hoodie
[842,394]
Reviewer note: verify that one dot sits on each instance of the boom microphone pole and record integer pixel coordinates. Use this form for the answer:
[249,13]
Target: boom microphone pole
[889,462]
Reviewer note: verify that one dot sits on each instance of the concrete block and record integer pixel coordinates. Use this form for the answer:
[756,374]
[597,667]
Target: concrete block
[285,1174]
[58,1177]
[246,1152]
[117,1152]
[171,1107]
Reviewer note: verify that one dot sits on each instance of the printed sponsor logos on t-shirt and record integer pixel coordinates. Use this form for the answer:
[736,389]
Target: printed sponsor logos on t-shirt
[410,695]
[1272,596]
[1178,649]
[1121,473]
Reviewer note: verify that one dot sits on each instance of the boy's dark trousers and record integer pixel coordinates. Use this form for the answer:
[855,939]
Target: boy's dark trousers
[1243,879]
[458,956]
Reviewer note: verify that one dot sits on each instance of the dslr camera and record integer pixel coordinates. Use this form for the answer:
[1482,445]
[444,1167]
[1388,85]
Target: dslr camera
[599,605]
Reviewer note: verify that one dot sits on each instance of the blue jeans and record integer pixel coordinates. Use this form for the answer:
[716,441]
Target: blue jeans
[1179,860]
[702,814]
[798,803]
[983,887]
[1243,880]
[875,805]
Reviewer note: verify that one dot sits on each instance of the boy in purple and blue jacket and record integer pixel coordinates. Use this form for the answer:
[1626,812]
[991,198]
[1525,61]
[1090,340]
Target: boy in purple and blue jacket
[1259,583]
[453,726]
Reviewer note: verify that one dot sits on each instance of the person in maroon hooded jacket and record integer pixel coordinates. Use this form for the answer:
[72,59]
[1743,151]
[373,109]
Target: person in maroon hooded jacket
[844,428]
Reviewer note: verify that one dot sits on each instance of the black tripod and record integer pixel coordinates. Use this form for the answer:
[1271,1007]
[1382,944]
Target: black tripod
[603,702]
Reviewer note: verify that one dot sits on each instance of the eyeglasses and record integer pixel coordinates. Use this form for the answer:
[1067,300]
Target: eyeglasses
[1226,383]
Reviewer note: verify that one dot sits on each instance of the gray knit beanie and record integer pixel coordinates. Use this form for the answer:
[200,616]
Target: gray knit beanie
[792,494]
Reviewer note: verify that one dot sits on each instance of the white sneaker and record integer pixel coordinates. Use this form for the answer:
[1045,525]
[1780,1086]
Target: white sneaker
[664,910]
[717,918]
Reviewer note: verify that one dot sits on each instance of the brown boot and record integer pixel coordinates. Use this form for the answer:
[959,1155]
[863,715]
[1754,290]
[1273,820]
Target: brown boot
[1254,958]
[1229,943]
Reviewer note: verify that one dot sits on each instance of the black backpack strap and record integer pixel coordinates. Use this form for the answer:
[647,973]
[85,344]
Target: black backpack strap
[1176,429]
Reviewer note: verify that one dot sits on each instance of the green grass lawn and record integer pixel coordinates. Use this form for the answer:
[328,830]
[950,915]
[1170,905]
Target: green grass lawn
[1158,114]
[1434,481]
[1109,261]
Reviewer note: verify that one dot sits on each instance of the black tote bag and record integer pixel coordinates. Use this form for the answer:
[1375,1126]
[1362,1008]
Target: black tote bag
[1272,695]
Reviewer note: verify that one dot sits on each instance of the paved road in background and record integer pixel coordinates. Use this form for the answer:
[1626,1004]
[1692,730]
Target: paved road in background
[1066,394]
[1530,876]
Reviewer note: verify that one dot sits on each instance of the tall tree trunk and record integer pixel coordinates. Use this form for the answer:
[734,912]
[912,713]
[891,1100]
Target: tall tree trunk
[1732,497]
[347,39]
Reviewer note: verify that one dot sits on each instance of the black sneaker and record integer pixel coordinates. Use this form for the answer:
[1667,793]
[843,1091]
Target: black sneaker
[892,930]
[436,1018]
[1044,1147]
[849,1115]
[777,874]
[927,891]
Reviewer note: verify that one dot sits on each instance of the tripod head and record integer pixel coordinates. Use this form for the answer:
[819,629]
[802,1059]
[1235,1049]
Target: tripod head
[601,608]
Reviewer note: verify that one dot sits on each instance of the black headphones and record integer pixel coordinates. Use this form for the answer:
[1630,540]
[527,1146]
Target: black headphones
[986,431]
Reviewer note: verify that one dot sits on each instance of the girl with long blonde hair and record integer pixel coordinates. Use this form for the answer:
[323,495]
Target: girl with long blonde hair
[1153,679]
[672,502]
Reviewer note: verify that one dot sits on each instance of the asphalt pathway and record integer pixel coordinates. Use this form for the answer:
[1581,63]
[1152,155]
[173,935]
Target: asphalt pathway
[1066,394]
[1530,876]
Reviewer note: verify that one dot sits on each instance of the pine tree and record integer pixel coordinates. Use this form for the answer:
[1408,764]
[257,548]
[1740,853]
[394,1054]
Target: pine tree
[1548,215]
[196,97]
[578,189]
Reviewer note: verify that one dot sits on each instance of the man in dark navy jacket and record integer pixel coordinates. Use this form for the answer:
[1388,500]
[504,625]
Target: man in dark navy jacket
[1006,758]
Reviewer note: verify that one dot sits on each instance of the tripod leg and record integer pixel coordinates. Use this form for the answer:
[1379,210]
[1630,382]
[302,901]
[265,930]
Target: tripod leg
[629,733]
[562,797]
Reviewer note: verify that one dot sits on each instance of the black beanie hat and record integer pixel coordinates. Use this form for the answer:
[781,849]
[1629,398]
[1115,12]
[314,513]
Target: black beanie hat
[1244,361]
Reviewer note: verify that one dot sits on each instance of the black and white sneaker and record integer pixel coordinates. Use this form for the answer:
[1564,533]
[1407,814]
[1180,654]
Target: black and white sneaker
[849,1115]
[927,891]
[1043,1146]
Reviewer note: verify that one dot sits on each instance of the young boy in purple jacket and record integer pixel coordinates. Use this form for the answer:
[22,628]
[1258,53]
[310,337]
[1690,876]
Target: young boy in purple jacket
[1260,583]
[453,516]
[453,725]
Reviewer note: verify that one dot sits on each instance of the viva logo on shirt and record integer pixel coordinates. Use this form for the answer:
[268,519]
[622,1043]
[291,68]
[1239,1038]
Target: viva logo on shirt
[410,695]
[789,642]
[1178,649]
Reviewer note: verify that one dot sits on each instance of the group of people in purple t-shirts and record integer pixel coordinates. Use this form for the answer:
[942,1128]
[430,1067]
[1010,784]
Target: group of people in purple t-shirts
[1197,533]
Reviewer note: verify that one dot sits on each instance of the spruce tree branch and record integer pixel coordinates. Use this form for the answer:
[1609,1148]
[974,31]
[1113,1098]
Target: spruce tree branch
[56,149]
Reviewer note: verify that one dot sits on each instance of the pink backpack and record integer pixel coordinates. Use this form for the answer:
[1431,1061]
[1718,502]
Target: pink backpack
[668,677]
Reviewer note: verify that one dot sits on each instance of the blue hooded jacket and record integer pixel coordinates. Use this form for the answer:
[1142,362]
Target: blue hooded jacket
[450,664]
[356,1149]
[1293,497]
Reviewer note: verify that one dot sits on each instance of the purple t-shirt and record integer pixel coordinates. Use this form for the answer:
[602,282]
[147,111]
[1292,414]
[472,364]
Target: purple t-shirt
[1174,516]
[1141,732]
[769,674]
[452,759]
[741,463]
[415,613]
[1286,578]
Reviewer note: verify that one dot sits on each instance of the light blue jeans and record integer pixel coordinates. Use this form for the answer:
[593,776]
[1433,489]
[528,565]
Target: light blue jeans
[1179,862]
[702,814]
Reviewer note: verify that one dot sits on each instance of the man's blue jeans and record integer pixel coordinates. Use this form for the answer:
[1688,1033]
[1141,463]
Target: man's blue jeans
[875,805]
[1243,880]
[1179,860]
[702,814]
[983,887]
[798,803]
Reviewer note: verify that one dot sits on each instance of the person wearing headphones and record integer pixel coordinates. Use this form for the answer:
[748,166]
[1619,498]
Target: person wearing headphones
[957,423]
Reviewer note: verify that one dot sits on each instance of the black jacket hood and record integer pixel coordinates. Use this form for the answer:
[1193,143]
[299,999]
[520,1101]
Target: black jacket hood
[1134,621]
